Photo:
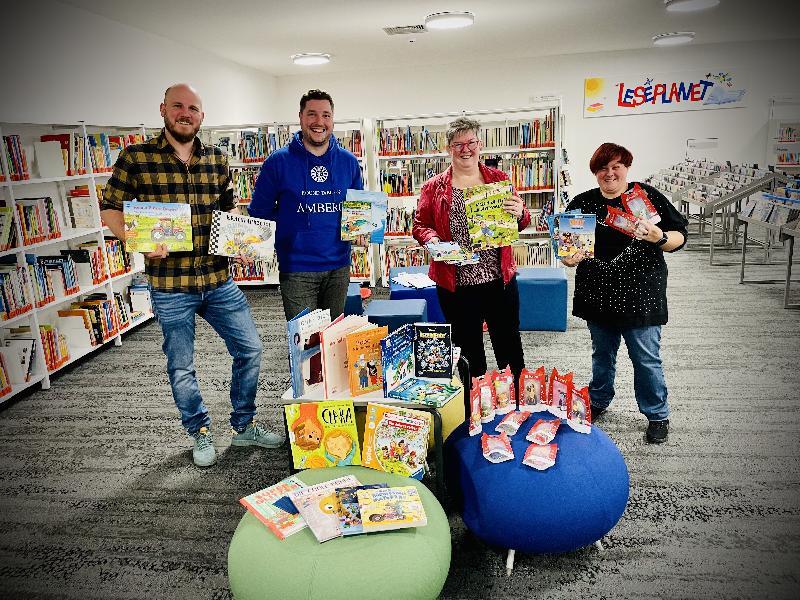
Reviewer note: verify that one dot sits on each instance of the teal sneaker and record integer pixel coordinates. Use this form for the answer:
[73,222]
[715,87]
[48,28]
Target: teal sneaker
[256,435]
[204,453]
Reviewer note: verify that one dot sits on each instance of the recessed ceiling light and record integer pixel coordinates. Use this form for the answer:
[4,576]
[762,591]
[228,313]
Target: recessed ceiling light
[449,20]
[673,38]
[311,58]
[688,5]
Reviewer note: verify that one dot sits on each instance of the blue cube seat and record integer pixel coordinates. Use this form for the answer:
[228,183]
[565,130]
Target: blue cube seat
[401,292]
[353,304]
[396,313]
[542,299]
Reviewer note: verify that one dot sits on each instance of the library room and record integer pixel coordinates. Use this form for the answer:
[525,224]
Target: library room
[402,300]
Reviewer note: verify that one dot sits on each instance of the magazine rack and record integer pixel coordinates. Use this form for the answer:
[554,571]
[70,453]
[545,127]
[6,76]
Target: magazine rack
[786,233]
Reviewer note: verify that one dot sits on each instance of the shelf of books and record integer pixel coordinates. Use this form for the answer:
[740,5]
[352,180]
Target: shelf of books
[66,288]
[783,134]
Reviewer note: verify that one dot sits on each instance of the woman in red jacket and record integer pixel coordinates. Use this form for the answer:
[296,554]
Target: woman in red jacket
[486,291]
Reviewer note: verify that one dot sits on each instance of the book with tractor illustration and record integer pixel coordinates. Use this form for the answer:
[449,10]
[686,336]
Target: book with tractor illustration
[364,213]
[323,434]
[489,225]
[280,522]
[391,508]
[239,235]
[348,509]
[396,440]
[149,224]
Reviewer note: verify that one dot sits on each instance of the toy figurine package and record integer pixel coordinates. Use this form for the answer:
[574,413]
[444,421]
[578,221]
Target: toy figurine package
[543,431]
[496,448]
[621,221]
[533,390]
[486,390]
[579,411]
[511,422]
[638,204]
[540,457]
[475,408]
[559,392]
[503,382]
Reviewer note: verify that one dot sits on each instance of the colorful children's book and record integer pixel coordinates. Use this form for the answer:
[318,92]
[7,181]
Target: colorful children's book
[282,523]
[424,391]
[489,225]
[447,251]
[348,509]
[364,359]
[323,434]
[576,233]
[333,342]
[391,508]
[318,506]
[397,357]
[240,235]
[305,360]
[396,440]
[433,350]
[364,213]
[148,224]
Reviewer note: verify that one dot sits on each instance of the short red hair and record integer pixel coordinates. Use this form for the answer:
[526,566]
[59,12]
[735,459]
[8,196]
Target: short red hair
[608,152]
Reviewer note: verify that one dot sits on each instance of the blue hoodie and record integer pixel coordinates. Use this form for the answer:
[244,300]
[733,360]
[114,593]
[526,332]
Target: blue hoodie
[303,194]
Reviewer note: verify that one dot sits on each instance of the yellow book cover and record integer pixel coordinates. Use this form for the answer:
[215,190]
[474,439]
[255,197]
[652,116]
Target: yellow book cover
[396,440]
[323,434]
[364,360]
[391,508]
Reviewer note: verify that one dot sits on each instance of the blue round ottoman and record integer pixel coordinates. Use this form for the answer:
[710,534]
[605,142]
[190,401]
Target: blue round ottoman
[570,505]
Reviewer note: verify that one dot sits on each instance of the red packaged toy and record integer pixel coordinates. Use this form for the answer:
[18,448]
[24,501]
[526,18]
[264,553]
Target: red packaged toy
[475,408]
[638,204]
[503,382]
[543,431]
[621,221]
[496,448]
[533,390]
[579,410]
[486,391]
[540,457]
[511,422]
[560,390]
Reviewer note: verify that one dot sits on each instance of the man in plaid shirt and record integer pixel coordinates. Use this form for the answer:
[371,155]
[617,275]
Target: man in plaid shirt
[177,167]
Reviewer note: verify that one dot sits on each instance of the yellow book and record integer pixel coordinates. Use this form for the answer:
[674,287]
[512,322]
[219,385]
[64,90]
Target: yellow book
[396,440]
[323,434]
[391,508]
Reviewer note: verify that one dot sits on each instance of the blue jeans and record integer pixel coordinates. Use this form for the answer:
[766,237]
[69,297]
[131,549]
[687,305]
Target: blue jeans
[644,350]
[225,308]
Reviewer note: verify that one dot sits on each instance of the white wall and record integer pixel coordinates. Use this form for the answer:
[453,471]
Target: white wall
[655,140]
[59,64]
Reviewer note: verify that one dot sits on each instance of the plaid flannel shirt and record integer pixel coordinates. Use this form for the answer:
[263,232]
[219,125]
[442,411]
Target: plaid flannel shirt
[150,172]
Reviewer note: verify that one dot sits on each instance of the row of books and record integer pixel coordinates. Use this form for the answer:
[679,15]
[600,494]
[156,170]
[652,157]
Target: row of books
[17,361]
[360,262]
[411,255]
[244,182]
[536,133]
[38,220]
[788,157]
[8,230]
[776,209]
[352,140]
[17,161]
[405,177]
[411,139]
[400,220]
[14,299]
[530,173]
[788,133]
[81,209]
[95,152]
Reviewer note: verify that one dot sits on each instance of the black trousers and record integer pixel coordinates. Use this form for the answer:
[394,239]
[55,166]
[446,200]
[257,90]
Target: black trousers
[469,306]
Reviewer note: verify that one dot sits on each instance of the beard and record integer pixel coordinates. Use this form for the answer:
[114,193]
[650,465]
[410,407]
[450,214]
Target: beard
[183,138]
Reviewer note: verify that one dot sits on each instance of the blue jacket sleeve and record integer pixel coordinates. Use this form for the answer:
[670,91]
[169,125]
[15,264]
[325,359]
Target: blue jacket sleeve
[264,205]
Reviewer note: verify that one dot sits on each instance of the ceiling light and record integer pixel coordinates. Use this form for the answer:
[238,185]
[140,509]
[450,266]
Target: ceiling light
[673,38]
[311,58]
[449,20]
[688,5]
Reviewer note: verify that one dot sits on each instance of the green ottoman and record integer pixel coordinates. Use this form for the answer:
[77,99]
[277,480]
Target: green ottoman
[407,563]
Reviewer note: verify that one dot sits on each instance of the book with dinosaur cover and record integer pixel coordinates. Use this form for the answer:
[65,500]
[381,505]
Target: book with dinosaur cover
[305,359]
[364,359]
[383,509]
[317,505]
[323,434]
[489,224]
[149,224]
[280,522]
[396,440]
[240,235]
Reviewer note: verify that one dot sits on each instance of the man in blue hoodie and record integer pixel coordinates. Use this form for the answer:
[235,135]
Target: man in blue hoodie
[301,187]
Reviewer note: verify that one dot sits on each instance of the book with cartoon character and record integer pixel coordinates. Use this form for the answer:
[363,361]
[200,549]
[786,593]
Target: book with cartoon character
[383,509]
[364,359]
[364,213]
[425,391]
[318,506]
[575,234]
[280,522]
[149,224]
[239,235]
[323,434]
[433,350]
[489,224]
[348,510]
[396,440]
[397,357]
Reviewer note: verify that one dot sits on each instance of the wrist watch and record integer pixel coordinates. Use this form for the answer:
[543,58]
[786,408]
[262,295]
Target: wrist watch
[664,239]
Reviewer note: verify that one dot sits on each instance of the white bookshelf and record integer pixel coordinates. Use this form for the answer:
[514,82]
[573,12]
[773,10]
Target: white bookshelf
[783,134]
[57,188]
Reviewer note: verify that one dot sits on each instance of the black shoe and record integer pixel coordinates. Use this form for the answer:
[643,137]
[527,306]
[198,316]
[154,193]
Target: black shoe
[657,431]
[597,412]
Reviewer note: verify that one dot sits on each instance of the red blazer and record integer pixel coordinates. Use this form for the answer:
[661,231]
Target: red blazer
[433,220]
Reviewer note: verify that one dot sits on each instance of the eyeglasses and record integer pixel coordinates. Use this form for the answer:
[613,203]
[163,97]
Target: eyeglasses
[470,145]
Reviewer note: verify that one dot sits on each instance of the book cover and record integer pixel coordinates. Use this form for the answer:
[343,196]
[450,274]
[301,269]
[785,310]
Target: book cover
[423,391]
[489,225]
[364,213]
[348,509]
[19,354]
[396,440]
[364,359]
[383,509]
[333,345]
[148,224]
[318,506]
[433,350]
[305,359]
[576,233]
[239,235]
[397,357]
[280,522]
[323,434]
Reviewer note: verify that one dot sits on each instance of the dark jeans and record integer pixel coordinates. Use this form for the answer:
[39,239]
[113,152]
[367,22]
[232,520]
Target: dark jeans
[469,306]
[314,289]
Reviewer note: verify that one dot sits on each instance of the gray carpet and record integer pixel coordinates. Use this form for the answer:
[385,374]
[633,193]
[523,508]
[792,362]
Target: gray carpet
[98,497]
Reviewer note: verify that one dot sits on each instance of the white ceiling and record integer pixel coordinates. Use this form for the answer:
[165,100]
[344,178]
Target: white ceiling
[264,33]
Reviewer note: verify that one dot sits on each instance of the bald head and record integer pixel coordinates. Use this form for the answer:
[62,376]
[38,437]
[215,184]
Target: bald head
[182,87]
[182,110]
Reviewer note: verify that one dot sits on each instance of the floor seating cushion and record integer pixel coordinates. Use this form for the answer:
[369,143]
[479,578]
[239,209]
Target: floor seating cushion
[542,299]
[396,313]
[407,563]
[401,292]
[353,304]
[511,505]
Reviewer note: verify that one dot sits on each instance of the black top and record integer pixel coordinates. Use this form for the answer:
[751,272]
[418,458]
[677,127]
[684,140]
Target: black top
[625,285]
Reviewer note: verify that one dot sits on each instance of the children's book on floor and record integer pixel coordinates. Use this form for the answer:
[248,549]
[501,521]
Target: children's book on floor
[280,522]
[364,359]
[318,506]
[391,508]
[149,224]
[364,213]
[396,440]
[323,434]
[489,224]
[240,235]
[305,359]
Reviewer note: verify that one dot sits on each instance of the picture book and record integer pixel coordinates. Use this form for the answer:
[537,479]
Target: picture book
[348,509]
[19,355]
[282,523]
[433,350]
[447,251]
[383,509]
[396,440]
[323,434]
[239,235]
[489,225]
[364,213]
[148,224]
[318,506]
[333,344]
[423,391]
[554,227]
[397,357]
[305,359]
[364,359]
[576,233]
